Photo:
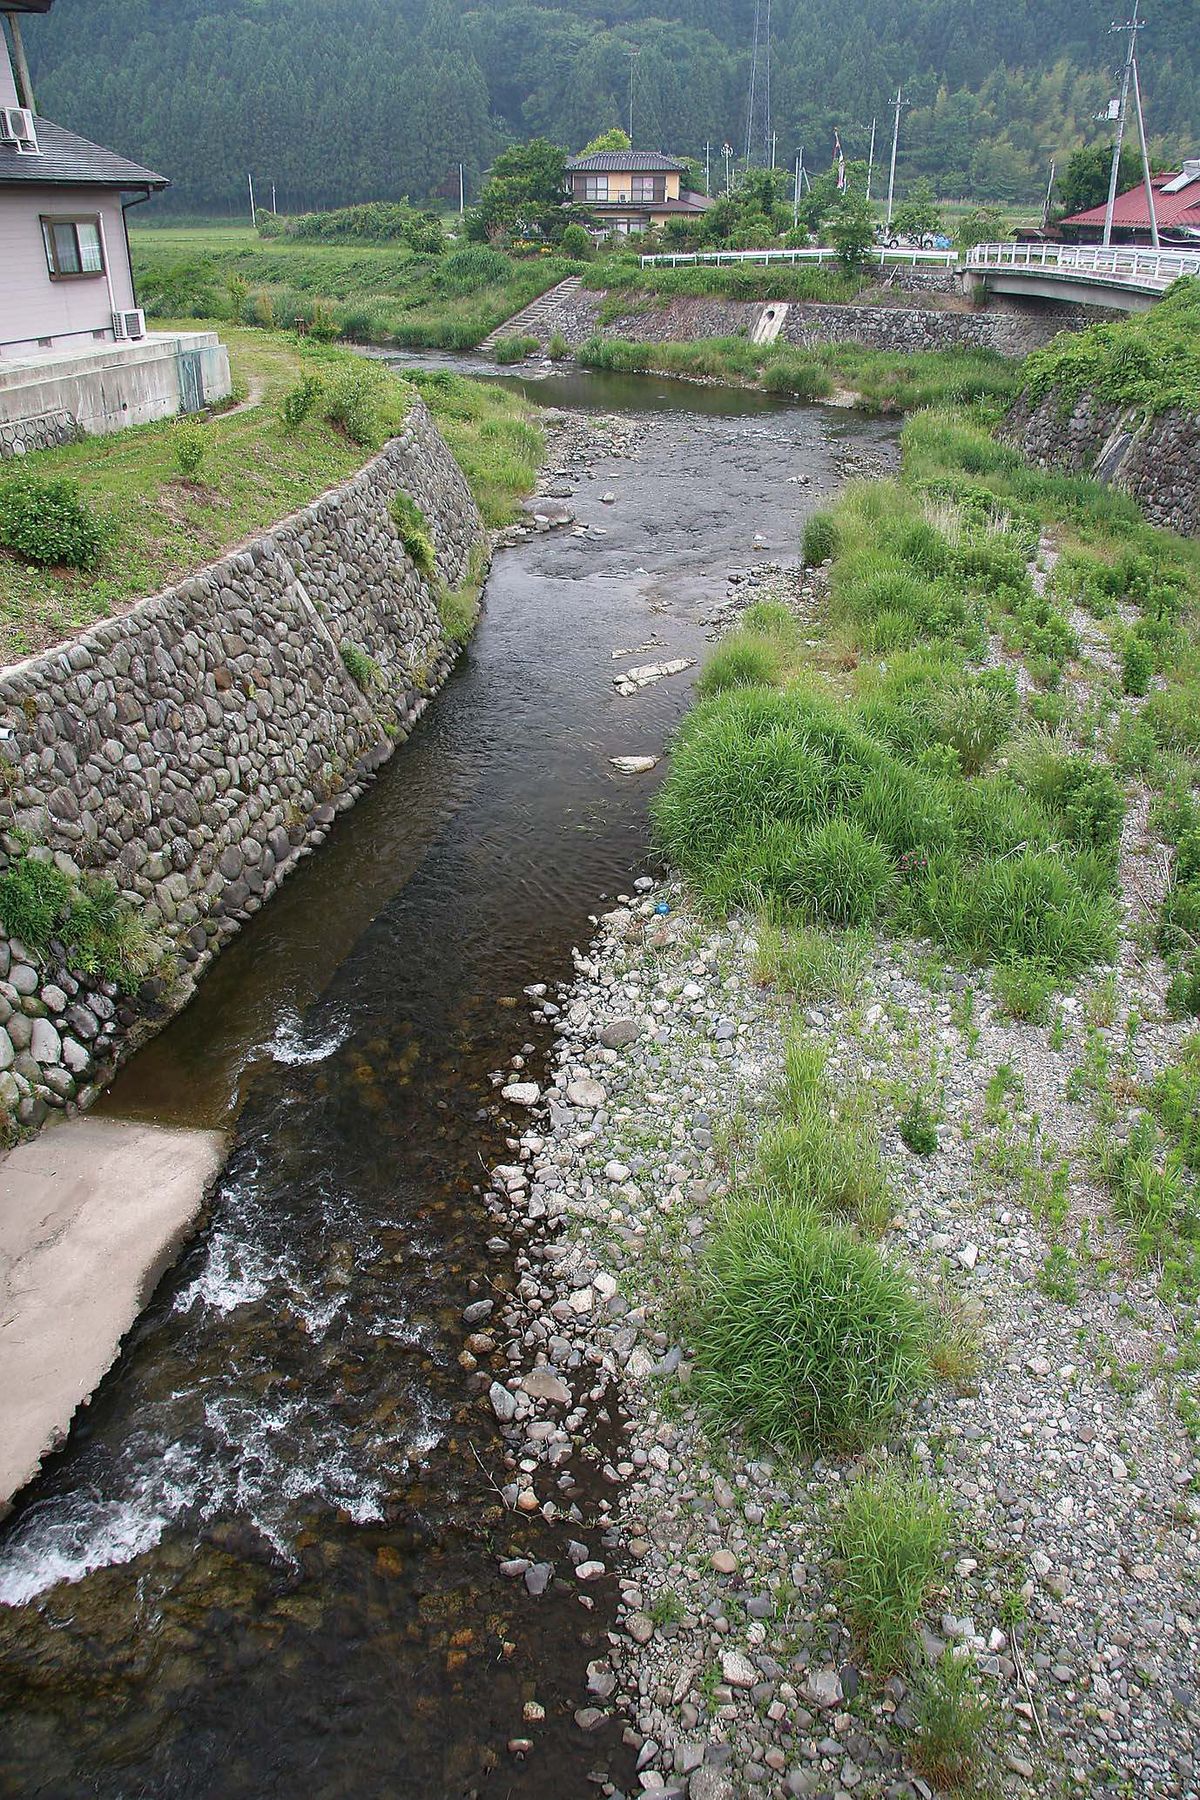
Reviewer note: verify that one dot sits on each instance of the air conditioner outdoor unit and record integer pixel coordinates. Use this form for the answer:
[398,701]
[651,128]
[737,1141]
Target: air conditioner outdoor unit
[131,324]
[17,126]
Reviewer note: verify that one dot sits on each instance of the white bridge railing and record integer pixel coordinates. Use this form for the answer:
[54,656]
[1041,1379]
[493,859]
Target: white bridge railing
[1140,268]
[942,259]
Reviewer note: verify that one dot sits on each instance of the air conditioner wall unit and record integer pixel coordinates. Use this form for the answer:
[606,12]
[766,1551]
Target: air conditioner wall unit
[129,324]
[17,127]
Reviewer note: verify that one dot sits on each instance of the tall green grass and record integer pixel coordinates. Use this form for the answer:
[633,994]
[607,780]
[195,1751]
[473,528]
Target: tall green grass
[890,1536]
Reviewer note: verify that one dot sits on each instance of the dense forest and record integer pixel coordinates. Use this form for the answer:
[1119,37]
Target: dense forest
[338,101]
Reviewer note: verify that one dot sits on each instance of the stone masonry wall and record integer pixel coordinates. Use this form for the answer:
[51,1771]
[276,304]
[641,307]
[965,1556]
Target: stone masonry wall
[1155,460]
[193,748]
[687,317]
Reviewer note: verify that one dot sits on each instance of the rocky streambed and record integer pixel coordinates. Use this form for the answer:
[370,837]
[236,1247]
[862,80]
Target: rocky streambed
[1060,1446]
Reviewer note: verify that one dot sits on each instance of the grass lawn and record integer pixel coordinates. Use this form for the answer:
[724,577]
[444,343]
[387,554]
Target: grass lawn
[254,473]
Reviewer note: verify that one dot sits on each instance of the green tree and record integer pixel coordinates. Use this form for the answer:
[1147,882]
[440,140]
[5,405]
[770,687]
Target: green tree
[614,139]
[1084,182]
[525,191]
[919,213]
[852,229]
[982,226]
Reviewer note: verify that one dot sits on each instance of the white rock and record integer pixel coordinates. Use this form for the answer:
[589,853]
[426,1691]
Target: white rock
[737,1669]
[522,1093]
[634,765]
[586,1093]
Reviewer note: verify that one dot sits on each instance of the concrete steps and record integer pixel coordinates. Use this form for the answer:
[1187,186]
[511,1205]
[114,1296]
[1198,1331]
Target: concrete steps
[532,319]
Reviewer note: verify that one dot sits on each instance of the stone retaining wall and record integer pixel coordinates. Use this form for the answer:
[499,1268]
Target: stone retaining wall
[193,748]
[1156,460]
[686,317]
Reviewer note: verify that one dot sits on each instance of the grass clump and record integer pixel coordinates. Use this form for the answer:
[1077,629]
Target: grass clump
[806,1337]
[820,540]
[747,659]
[811,964]
[361,667]
[412,528]
[514,349]
[48,521]
[918,1126]
[824,1152]
[890,1537]
[842,874]
[99,931]
[950,1719]
[458,610]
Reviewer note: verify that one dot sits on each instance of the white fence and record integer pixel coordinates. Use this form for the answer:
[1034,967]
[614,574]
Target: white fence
[1140,268]
[941,259]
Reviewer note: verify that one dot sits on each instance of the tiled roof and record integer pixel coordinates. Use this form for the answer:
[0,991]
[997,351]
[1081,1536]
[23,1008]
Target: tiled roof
[1182,207]
[627,162]
[70,161]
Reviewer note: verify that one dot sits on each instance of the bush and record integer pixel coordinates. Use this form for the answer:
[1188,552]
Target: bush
[48,521]
[362,669]
[413,531]
[805,1336]
[576,242]
[975,715]
[890,1535]
[843,874]
[189,445]
[919,1127]
[820,540]
[352,400]
[558,349]
[1023,990]
[299,401]
[514,349]
[1137,665]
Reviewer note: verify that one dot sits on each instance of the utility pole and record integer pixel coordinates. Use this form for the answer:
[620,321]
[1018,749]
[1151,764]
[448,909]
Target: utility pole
[727,153]
[1146,181]
[462,192]
[253,214]
[632,55]
[871,161]
[774,146]
[24,84]
[1049,193]
[707,169]
[274,208]
[895,146]
[796,197]
[1133,26]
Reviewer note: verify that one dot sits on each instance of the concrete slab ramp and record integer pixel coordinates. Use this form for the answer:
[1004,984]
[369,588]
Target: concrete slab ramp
[91,1213]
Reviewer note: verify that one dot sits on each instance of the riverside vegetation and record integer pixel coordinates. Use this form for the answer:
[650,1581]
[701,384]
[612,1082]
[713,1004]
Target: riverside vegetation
[94,525]
[922,1004]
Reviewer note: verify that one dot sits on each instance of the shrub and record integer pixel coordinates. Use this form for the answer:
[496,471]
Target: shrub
[919,1126]
[558,348]
[890,1536]
[1083,797]
[950,1718]
[1023,990]
[412,529]
[744,660]
[576,242]
[352,400]
[47,521]
[323,322]
[514,349]
[820,540]
[189,444]
[299,401]
[843,874]
[362,669]
[806,1337]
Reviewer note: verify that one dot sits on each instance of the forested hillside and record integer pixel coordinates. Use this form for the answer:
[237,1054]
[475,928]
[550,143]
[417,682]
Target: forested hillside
[344,100]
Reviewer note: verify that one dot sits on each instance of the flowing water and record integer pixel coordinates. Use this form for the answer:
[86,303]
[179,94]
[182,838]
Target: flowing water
[266,1561]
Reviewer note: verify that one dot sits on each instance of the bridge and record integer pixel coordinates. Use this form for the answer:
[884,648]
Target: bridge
[1089,274]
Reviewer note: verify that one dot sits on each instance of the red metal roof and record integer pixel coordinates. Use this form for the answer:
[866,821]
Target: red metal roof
[1130,212]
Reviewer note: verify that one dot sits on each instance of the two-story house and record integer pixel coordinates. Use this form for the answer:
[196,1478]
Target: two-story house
[75,354]
[629,190]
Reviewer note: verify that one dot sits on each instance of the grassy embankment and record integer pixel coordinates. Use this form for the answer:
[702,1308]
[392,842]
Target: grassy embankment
[255,467]
[368,293]
[945,760]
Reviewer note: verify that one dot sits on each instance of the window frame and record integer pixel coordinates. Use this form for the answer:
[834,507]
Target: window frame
[50,223]
[657,185]
[595,188]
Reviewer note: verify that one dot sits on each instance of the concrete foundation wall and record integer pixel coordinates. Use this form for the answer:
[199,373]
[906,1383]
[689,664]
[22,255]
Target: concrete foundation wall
[191,749]
[107,388]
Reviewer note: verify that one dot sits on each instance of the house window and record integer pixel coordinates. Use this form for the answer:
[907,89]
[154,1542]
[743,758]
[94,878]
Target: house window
[73,248]
[649,188]
[595,187]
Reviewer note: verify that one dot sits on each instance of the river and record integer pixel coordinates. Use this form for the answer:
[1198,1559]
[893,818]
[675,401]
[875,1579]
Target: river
[266,1560]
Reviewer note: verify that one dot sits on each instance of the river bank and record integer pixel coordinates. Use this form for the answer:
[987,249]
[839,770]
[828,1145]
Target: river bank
[1051,1639]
